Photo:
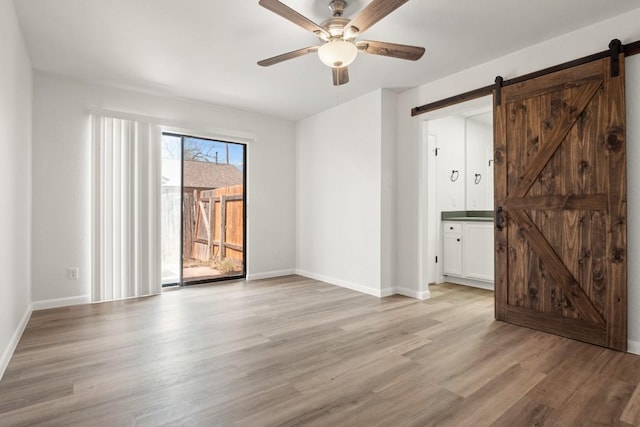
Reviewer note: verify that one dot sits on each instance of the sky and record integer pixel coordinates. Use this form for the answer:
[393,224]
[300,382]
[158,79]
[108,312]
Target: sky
[202,150]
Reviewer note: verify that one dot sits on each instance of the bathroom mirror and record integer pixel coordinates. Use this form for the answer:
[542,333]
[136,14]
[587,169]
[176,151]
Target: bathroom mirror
[479,162]
[464,145]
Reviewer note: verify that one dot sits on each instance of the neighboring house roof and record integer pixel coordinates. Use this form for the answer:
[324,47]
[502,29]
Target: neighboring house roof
[201,174]
[211,175]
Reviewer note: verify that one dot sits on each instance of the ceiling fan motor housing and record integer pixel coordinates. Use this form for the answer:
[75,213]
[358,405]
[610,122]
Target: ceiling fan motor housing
[337,7]
[335,26]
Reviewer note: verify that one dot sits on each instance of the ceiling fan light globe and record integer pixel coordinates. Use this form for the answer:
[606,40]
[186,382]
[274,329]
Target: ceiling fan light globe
[337,53]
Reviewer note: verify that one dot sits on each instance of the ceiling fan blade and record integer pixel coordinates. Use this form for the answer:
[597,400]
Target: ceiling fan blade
[286,12]
[401,51]
[286,56]
[340,75]
[372,13]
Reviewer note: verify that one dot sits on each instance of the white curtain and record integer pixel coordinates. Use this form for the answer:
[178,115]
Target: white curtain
[126,209]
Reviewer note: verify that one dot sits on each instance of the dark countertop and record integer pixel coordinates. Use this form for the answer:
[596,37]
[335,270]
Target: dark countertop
[482,216]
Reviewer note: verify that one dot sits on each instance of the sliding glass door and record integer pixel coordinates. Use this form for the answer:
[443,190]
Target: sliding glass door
[210,186]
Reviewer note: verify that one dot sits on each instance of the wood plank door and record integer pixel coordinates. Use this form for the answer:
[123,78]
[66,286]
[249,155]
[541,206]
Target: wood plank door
[560,197]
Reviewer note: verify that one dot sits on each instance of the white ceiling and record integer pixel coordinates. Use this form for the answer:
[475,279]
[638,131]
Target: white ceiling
[207,49]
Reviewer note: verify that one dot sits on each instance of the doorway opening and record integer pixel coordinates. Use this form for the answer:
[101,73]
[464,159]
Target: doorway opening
[203,210]
[457,160]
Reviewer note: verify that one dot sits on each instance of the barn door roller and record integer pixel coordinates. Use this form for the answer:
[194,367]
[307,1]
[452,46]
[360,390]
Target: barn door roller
[498,96]
[615,47]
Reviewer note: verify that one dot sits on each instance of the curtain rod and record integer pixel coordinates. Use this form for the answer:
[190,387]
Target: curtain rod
[627,49]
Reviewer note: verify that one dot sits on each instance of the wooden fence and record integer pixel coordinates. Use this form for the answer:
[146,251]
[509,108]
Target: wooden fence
[217,224]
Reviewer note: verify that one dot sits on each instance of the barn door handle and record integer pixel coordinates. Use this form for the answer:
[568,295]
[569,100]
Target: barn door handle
[500,219]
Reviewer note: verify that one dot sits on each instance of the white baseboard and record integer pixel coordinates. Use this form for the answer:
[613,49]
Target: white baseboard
[421,295]
[13,342]
[633,347]
[270,274]
[60,302]
[387,292]
[412,293]
[342,283]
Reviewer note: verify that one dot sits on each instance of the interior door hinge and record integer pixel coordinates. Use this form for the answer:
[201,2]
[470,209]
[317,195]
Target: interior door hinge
[436,150]
[436,259]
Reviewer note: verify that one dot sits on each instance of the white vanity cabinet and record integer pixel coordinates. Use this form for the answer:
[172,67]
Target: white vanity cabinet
[467,252]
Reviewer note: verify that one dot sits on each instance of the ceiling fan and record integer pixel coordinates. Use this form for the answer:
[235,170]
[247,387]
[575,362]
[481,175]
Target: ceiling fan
[339,34]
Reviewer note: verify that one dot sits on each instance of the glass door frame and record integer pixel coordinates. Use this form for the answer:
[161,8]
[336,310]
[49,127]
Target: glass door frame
[241,276]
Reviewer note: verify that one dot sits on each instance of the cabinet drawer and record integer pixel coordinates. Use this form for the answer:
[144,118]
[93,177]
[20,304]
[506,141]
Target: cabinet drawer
[452,227]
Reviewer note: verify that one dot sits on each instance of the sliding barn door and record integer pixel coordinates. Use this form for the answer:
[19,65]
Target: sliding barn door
[560,196]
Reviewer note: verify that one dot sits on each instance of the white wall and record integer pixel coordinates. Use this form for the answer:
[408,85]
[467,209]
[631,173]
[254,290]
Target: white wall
[388,231]
[15,182]
[450,140]
[62,179]
[343,156]
[411,211]
[633,200]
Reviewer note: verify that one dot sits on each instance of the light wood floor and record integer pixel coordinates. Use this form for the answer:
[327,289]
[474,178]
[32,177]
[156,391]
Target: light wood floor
[293,351]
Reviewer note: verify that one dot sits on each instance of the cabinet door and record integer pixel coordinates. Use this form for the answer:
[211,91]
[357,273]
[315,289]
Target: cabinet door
[478,251]
[452,254]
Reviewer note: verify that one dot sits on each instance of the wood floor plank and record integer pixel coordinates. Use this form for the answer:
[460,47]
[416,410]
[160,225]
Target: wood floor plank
[631,412]
[296,351]
[528,412]
[561,383]
[415,401]
[487,404]
[583,408]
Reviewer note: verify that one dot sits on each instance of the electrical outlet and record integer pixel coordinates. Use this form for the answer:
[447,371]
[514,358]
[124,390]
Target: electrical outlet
[74,273]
